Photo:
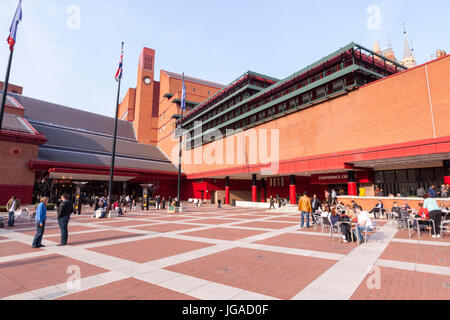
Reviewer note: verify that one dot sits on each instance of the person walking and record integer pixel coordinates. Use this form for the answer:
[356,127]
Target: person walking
[272,203]
[64,212]
[41,217]
[304,206]
[163,203]
[219,202]
[435,214]
[12,206]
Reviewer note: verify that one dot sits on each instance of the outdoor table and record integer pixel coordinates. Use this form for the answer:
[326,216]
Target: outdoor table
[417,220]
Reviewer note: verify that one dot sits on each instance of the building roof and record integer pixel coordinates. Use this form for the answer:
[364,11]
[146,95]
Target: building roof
[80,137]
[195,80]
[16,123]
[46,112]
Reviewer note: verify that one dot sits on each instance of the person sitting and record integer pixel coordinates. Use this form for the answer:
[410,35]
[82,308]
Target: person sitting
[422,214]
[346,228]
[103,210]
[350,212]
[334,216]
[341,208]
[117,206]
[379,207]
[364,224]
[396,210]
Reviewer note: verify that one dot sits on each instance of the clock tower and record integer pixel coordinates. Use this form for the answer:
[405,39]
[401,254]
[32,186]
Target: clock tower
[147,99]
[141,105]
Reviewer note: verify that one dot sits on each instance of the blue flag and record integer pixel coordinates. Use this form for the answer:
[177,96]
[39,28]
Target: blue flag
[183,97]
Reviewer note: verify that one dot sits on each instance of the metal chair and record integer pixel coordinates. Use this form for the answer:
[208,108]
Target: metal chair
[326,223]
[340,223]
[316,220]
[445,227]
[373,231]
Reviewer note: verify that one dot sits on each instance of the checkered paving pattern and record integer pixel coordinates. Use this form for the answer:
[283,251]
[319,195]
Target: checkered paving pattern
[211,254]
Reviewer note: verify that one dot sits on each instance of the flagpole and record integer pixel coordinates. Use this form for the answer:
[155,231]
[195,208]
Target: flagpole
[5,88]
[180,154]
[113,157]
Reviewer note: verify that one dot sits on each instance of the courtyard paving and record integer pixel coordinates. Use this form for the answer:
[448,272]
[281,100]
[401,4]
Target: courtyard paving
[210,254]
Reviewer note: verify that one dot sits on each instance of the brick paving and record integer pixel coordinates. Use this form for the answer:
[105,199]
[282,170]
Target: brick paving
[398,284]
[150,249]
[128,289]
[209,254]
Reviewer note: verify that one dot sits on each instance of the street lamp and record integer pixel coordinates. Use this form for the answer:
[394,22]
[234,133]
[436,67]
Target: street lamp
[177,117]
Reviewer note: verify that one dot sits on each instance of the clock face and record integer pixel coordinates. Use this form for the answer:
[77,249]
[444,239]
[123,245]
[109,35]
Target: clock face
[147,80]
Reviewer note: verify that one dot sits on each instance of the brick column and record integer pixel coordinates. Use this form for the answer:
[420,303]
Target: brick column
[227,190]
[293,190]
[254,189]
[352,188]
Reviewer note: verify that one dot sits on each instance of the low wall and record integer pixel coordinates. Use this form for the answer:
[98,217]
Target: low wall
[367,203]
[249,204]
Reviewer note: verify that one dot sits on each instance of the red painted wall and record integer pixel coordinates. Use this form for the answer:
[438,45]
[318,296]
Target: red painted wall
[23,193]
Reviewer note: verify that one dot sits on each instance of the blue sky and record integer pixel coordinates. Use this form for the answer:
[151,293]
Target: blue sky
[217,40]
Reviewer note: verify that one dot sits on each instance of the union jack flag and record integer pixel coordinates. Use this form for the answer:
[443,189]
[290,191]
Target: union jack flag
[13,29]
[120,70]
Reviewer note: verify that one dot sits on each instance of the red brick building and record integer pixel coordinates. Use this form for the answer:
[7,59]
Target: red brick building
[352,119]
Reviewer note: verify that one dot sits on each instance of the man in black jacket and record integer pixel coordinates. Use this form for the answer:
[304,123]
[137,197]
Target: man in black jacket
[64,211]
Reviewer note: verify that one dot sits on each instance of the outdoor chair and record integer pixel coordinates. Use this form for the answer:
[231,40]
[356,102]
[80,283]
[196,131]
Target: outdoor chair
[402,222]
[316,220]
[326,223]
[21,214]
[371,232]
[445,227]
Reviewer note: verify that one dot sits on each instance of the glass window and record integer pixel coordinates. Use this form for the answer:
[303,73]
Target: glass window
[412,175]
[402,176]
[427,174]
[389,176]
[379,176]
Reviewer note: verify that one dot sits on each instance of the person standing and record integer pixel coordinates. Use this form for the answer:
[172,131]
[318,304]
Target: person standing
[333,197]
[327,196]
[362,191]
[315,204]
[444,192]
[435,214]
[432,192]
[421,192]
[64,212]
[41,217]
[304,206]
[12,206]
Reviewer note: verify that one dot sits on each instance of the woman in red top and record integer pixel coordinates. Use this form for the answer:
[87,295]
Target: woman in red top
[423,213]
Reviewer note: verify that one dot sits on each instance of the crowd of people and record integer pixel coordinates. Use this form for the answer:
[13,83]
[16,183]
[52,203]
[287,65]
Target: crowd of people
[315,211]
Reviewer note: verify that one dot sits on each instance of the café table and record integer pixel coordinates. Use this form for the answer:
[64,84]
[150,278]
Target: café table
[418,220]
